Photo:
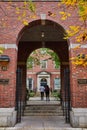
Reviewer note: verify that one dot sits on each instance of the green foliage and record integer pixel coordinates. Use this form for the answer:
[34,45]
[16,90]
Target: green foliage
[31,6]
[31,93]
[54,57]
[56,94]
[34,58]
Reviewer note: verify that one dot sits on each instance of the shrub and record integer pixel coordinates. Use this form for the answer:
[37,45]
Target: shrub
[56,94]
[31,93]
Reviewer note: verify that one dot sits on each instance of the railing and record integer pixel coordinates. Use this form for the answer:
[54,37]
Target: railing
[66,100]
[19,94]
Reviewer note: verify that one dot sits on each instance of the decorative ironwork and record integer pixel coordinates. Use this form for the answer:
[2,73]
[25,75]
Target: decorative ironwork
[66,101]
[19,94]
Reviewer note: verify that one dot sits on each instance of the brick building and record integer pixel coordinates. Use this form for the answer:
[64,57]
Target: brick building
[20,40]
[45,73]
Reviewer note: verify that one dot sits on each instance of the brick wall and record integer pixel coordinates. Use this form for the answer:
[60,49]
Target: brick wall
[7,92]
[11,34]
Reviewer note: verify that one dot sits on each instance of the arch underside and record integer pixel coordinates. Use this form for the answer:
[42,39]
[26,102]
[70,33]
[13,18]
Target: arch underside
[53,38]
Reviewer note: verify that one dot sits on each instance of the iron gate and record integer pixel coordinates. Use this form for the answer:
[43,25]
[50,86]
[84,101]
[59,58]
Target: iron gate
[19,94]
[66,102]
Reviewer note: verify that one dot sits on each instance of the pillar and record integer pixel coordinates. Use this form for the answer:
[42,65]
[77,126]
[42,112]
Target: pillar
[78,83]
[8,87]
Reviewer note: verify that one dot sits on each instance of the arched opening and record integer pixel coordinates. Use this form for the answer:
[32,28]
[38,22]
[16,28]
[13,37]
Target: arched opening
[43,81]
[43,68]
[50,35]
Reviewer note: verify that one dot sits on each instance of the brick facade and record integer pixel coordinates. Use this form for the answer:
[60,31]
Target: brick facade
[11,38]
[50,70]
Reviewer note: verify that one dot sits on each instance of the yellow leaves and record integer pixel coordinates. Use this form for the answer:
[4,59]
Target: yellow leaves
[81,34]
[80,60]
[69,2]
[23,12]
[2,50]
[25,22]
[25,3]
[82,37]
[65,15]
[77,31]
[72,31]
[32,6]
[51,14]
[19,18]
[17,10]
[33,16]
[82,9]
[85,64]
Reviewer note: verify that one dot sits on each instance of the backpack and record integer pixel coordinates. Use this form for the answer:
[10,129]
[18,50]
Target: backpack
[46,89]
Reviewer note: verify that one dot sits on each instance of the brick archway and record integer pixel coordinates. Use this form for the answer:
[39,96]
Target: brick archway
[32,39]
[18,50]
[61,47]
[54,34]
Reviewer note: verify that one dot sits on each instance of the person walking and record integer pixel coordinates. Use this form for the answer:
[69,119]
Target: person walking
[47,91]
[42,89]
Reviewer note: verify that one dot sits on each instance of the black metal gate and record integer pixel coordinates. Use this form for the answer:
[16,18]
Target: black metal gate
[66,102]
[19,94]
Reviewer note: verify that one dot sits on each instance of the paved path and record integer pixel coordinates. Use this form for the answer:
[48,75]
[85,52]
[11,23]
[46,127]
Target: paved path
[42,122]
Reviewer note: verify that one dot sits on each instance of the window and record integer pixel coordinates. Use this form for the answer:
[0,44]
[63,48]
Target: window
[43,64]
[30,83]
[57,83]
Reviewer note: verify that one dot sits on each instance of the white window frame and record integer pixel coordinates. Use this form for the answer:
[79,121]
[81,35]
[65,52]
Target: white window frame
[42,62]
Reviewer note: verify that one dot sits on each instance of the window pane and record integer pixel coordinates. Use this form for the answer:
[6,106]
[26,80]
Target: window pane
[30,83]
[57,83]
[43,64]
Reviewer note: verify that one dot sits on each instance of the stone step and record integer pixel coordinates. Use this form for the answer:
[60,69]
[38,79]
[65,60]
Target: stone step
[40,128]
[43,110]
[42,114]
[42,107]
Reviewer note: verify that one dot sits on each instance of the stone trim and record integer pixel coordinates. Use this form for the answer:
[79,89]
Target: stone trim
[45,74]
[7,117]
[78,117]
[73,45]
[6,46]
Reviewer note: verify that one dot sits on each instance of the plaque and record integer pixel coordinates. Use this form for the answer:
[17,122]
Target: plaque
[4,81]
[82,81]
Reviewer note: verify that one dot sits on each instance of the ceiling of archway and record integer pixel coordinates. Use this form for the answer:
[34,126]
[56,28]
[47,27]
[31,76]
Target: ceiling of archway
[36,34]
[51,33]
